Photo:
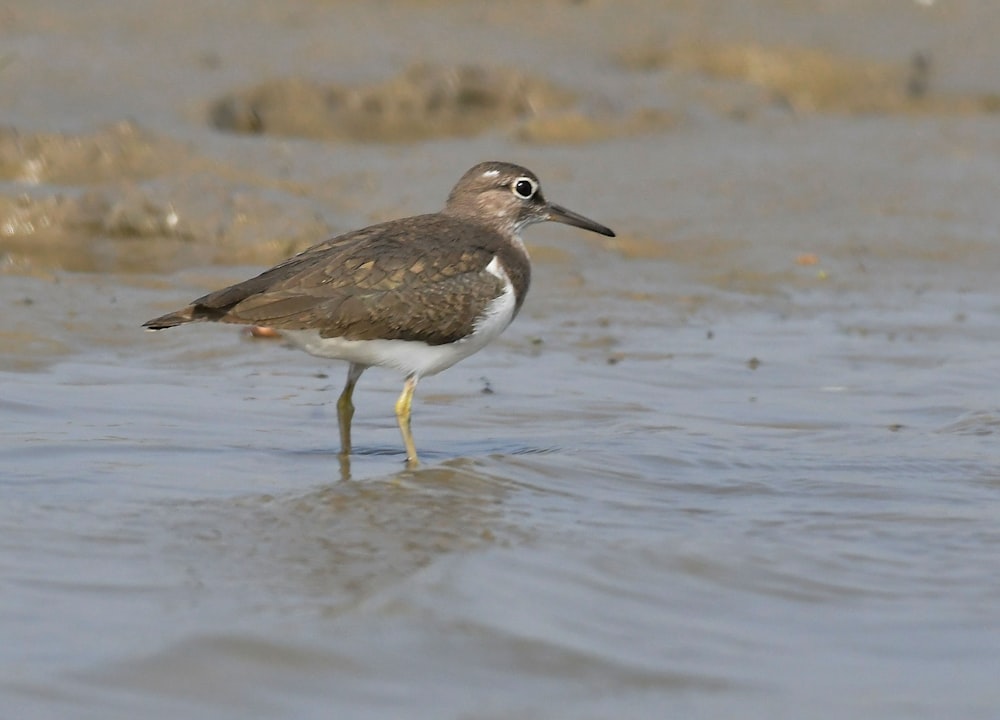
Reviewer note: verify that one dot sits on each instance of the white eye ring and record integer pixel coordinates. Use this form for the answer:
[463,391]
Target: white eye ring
[524,187]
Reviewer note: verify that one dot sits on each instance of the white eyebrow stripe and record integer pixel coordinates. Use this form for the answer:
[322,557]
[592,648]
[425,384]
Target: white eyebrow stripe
[491,173]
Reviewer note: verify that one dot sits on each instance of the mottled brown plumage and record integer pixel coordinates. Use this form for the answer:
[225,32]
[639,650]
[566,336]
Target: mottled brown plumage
[416,294]
[427,282]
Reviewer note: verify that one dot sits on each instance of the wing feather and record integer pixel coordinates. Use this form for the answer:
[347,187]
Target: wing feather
[397,280]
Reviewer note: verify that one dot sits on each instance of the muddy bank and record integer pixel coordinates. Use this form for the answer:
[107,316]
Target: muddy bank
[426,102]
[123,199]
[803,80]
[245,186]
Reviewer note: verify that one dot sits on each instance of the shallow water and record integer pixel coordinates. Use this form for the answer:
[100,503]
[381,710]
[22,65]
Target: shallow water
[739,461]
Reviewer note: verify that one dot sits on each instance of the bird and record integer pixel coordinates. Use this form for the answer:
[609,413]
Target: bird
[415,295]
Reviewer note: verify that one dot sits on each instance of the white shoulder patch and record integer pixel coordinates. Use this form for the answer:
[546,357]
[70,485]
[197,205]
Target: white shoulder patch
[496,269]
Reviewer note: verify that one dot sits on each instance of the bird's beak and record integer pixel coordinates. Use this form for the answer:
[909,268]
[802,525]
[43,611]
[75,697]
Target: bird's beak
[559,214]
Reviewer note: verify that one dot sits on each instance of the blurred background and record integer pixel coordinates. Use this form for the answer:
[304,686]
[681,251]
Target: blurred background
[737,461]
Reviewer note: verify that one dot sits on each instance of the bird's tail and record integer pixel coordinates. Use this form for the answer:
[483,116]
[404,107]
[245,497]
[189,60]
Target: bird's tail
[171,319]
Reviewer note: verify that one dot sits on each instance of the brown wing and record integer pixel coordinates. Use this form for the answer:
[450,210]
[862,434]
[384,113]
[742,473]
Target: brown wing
[413,279]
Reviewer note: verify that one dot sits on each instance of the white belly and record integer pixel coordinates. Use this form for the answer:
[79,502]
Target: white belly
[412,357]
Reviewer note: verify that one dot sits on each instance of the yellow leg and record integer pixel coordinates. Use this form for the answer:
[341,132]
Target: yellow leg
[403,417]
[345,408]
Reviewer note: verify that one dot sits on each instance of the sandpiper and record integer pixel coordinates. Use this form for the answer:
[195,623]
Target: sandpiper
[416,294]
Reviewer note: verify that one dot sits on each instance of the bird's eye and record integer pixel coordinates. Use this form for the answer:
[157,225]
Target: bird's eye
[525,187]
